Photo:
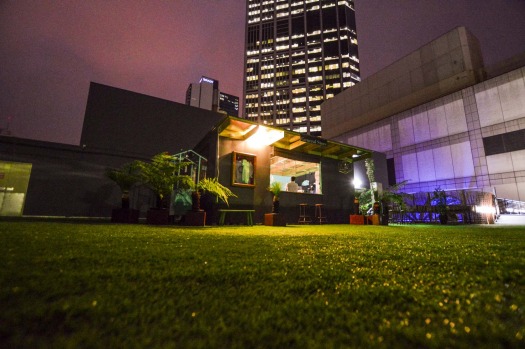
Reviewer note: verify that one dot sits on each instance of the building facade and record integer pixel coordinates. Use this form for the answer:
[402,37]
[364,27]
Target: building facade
[460,128]
[228,104]
[297,55]
[206,95]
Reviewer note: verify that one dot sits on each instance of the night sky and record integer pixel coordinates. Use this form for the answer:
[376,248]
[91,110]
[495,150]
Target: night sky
[50,50]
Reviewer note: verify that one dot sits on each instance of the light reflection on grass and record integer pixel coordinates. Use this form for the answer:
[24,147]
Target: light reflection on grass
[103,285]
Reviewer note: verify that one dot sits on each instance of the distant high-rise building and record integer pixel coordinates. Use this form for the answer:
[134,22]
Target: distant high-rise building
[298,54]
[206,95]
[229,104]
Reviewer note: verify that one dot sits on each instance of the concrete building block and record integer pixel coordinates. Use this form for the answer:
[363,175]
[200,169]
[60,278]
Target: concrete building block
[499,163]
[406,132]
[521,123]
[400,69]
[373,99]
[455,115]
[521,190]
[427,55]
[489,106]
[440,46]
[410,170]
[404,85]
[430,75]
[417,80]
[518,160]
[420,122]
[437,122]
[453,39]
[508,190]
[413,60]
[425,164]
[365,102]
[512,96]
[462,160]
[385,138]
[443,161]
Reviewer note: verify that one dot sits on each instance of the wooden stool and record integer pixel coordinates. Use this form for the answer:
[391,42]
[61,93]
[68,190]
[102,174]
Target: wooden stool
[304,218]
[319,214]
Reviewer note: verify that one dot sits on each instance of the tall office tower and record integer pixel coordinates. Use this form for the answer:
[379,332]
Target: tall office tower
[206,95]
[298,54]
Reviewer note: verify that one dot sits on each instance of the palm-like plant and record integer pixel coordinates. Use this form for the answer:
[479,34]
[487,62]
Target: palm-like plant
[161,175]
[275,188]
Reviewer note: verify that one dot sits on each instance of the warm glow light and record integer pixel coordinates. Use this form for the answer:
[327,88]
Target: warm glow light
[485,209]
[264,136]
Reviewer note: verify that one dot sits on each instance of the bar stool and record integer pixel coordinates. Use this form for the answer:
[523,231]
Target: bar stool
[304,218]
[319,213]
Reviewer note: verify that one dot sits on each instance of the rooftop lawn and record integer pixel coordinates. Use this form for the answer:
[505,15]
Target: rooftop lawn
[74,285]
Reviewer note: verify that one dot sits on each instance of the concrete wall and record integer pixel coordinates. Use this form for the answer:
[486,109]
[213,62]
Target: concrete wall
[445,65]
[442,142]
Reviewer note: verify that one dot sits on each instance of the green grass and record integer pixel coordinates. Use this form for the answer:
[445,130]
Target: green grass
[66,285]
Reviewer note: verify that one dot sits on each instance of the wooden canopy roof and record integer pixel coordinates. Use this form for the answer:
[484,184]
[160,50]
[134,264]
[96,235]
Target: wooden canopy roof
[242,129]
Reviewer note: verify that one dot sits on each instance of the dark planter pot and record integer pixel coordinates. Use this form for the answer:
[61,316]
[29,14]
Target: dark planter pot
[125,215]
[195,218]
[158,216]
[125,199]
[196,201]
[275,205]
[384,218]
[384,213]
[376,207]
[356,206]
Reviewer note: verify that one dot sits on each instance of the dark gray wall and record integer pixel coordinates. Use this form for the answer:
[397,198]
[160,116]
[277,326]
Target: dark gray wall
[119,126]
[66,180]
[120,121]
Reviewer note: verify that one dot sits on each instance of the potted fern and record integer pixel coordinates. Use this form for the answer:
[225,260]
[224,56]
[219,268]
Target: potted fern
[160,175]
[197,216]
[275,218]
[211,186]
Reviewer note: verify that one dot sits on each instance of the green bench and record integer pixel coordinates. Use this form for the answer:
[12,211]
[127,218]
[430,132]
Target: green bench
[249,215]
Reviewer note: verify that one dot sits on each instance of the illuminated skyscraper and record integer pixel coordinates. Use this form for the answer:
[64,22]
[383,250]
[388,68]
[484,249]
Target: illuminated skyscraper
[298,54]
[206,95]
